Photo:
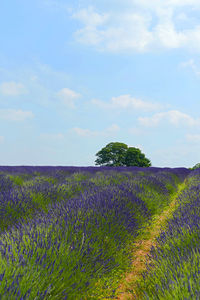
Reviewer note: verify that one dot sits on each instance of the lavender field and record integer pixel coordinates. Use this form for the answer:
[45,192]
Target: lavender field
[174,271]
[68,232]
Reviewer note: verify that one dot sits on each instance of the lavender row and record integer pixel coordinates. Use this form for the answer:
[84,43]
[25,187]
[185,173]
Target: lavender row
[78,237]
[175,267]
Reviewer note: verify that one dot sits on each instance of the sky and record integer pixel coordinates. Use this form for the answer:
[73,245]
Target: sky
[77,75]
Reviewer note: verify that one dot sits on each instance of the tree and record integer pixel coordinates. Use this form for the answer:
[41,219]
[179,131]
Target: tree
[119,154]
[196,166]
[134,157]
[112,155]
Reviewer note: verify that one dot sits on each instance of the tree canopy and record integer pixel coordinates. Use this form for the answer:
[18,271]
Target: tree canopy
[196,166]
[119,154]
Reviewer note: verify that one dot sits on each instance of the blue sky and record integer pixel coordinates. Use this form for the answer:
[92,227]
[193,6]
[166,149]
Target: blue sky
[77,75]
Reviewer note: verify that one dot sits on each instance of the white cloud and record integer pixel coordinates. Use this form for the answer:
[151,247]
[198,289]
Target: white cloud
[168,37]
[90,18]
[143,26]
[127,102]
[174,117]
[191,64]
[146,4]
[127,31]
[85,132]
[15,115]
[182,17]
[12,88]
[68,97]
[91,133]
[41,81]
[184,3]
[112,129]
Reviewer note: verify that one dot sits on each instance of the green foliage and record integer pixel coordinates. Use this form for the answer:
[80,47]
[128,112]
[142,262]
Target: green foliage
[134,157]
[78,176]
[112,155]
[119,154]
[18,180]
[196,166]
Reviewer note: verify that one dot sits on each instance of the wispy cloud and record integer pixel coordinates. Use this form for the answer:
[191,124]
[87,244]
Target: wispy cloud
[173,117]
[192,65]
[144,26]
[15,115]
[91,133]
[68,97]
[12,88]
[40,81]
[127,102]
[95,18]
[116,33]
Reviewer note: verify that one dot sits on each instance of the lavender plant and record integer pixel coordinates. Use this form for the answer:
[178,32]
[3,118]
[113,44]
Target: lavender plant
[175,264]
[66,232]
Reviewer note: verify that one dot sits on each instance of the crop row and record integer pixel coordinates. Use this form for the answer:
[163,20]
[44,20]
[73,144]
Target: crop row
[66,233]
[174,271]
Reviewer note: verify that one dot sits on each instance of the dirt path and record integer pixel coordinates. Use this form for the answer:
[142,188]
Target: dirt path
[142,247]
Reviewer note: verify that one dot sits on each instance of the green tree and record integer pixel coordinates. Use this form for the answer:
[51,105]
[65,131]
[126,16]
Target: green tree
[119,154]
[196,166]
[112,155]
[134,157]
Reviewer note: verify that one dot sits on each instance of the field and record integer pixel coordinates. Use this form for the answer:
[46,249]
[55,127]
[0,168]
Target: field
[71,233]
